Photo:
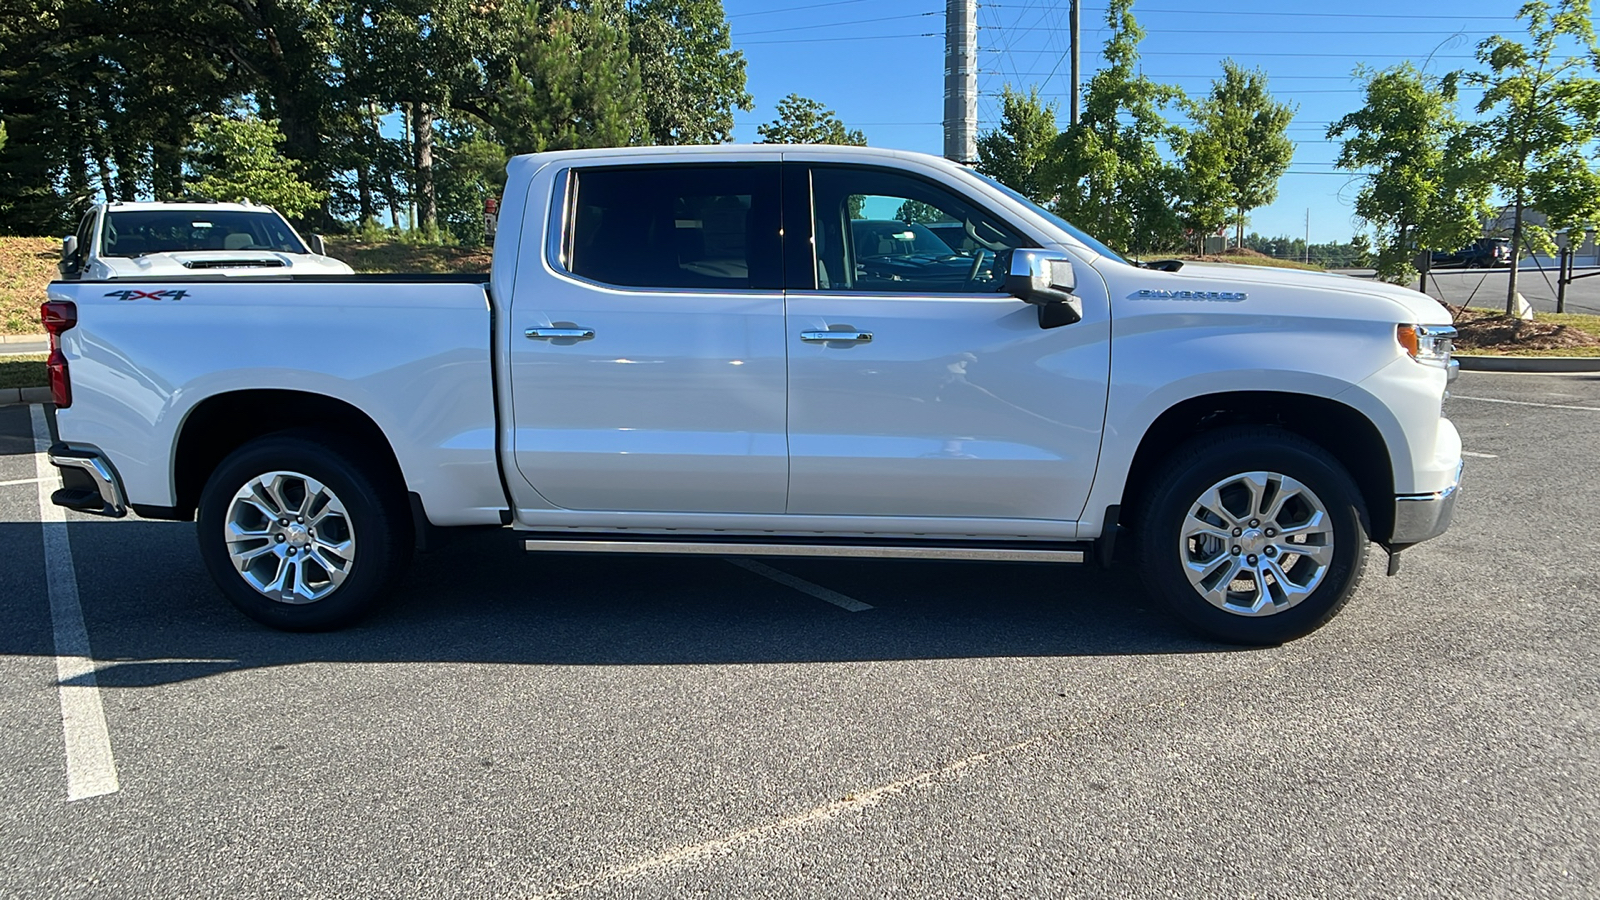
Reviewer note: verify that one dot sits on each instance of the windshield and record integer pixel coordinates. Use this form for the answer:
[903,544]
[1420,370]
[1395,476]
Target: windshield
[1056,220]
[133,233]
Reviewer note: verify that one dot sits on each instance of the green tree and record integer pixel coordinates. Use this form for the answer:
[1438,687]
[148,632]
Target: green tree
[1240,124]
[690,79]
[1021,153]
[1545,119]
[1422,187]
[235,160]
[1118,180]
[802,120]
[917,211]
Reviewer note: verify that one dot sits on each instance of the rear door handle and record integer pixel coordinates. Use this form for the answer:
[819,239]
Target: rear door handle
[545,334]
[824,337]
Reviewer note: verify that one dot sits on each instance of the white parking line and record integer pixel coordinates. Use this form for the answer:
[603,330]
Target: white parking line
[1525,403]
[19,481]
[1480,455]
[91,769]
[802,585]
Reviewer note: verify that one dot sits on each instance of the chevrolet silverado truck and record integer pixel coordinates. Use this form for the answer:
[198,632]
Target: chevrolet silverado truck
[181,239]
[691,351]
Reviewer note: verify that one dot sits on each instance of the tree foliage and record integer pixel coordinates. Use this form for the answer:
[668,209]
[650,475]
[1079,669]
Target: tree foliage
[234,160]
[103,97]
[1240,139]
[1422,189]
[1022,152]
[1543,114]
[802,120]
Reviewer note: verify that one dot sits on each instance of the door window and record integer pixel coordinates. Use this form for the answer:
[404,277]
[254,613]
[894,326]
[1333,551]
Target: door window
[878,230]
[714,228]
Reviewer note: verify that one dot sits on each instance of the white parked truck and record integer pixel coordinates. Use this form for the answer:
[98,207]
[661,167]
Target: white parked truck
[181,240]
[771,350]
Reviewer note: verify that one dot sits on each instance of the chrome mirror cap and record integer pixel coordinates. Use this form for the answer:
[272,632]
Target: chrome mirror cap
[1046,279]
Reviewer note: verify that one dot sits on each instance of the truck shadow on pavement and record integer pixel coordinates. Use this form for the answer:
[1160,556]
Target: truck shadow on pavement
[154,616]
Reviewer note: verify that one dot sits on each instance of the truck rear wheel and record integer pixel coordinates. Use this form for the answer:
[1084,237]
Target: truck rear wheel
[297,536]
[1253,536]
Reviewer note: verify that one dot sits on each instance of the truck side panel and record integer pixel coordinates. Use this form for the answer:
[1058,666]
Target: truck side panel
[139,365]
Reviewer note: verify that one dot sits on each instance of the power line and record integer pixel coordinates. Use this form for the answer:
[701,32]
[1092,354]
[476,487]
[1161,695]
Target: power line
[769,12]
[1263,13]
[1300,31]
[842,24]
[868,37]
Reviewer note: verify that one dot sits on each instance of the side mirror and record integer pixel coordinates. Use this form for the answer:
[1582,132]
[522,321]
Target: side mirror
[69,255]
[1045,279]
[317,246]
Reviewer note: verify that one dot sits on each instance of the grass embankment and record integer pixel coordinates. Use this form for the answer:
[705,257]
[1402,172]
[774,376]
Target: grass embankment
[401,256]
[26,266]
[1248,257]
[23,371]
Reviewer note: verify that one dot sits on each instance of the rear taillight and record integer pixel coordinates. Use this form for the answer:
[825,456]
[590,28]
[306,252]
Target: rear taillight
[58,317]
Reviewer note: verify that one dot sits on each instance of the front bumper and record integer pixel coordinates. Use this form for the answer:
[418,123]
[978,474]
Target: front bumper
[90,482]
[1418,517]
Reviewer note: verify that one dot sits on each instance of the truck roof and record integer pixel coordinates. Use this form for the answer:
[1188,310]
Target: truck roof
[736,152]
[126,205]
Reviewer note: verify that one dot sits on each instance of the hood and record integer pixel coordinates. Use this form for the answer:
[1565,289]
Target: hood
[232,263]
[1423,309]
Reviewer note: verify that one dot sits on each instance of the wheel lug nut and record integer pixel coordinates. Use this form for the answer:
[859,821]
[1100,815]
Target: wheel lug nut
[279,538]
[1272,532]
[1271,551]
[291,551]
[283,521]
[1254,522]
[1250,560]
[1236,550]
[1238,531]
[300,519]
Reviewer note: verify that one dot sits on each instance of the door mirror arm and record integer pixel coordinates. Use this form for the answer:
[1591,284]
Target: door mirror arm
[1045,279]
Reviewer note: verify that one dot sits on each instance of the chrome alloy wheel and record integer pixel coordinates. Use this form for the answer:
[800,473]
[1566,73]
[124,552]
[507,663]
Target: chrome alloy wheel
[289,537]
[1256,543]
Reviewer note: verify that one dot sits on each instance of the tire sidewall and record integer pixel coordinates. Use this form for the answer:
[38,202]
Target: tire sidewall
[1163,567]
[372,526]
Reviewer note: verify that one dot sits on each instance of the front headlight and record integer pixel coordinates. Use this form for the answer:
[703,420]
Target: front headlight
[1428,343]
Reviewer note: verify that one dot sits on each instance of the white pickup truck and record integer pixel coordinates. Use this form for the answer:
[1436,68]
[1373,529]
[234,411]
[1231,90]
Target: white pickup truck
[771,350]
[181,239]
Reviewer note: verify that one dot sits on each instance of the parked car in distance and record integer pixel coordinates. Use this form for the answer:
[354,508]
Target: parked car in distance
[177,240]
[1482,253]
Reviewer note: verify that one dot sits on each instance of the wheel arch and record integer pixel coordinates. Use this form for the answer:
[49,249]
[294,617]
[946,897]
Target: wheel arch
[1342,430]
[222,423]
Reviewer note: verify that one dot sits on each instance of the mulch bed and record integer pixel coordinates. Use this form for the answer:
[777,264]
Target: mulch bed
[1481,330]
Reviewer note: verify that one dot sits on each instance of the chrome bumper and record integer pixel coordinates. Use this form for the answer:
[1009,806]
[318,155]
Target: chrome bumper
[111,500]
[1418,517]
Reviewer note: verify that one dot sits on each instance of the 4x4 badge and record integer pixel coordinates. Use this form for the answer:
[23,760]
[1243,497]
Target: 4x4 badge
[147,295]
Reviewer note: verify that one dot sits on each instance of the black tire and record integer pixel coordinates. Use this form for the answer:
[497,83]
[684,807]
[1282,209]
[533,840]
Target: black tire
[1191,472]
[375,513]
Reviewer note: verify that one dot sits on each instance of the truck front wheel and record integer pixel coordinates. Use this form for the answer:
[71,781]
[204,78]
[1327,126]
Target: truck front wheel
[297,536]
[1253,535]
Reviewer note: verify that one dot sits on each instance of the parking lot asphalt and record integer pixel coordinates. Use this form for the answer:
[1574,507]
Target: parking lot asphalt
[1486,288]
[562,726]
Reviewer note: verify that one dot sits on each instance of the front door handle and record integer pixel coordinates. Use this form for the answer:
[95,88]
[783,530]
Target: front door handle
[824,337]
[545,334]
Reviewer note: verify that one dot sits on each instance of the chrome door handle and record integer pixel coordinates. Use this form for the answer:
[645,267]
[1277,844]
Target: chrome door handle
[824,337]
[545,334]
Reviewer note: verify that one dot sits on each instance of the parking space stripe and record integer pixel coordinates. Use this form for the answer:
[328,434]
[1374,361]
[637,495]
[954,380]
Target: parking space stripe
[1480,455]
[19,481]
[1526,403]
[91,769]
[802,585]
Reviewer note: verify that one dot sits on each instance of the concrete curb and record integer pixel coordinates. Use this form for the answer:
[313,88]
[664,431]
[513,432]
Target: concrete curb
[17,396]
[1530,364]
[23,338]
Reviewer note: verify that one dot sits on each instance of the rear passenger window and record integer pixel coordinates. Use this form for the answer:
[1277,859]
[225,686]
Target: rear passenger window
[706,227]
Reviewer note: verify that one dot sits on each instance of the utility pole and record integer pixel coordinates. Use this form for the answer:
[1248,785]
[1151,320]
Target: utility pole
[1308,235]
[1074,31]
[961,80]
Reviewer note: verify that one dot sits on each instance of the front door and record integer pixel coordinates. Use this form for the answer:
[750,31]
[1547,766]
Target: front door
[648,361]
[941,396]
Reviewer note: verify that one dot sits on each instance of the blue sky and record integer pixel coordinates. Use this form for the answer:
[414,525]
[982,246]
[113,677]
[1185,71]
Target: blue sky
[879,65]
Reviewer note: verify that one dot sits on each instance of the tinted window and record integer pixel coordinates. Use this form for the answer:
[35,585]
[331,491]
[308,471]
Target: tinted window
[677,227]
[878,230]
[137,232]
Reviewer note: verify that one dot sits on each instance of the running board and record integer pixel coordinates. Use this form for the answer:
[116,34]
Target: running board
[1052,552]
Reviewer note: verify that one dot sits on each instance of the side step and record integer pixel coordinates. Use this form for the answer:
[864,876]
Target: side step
[972,551]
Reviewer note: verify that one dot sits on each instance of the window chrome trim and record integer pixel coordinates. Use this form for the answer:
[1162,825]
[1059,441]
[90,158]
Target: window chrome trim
[563,199]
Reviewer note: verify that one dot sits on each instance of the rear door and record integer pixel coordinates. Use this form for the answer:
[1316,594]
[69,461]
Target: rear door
[941,395]
[647,352]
